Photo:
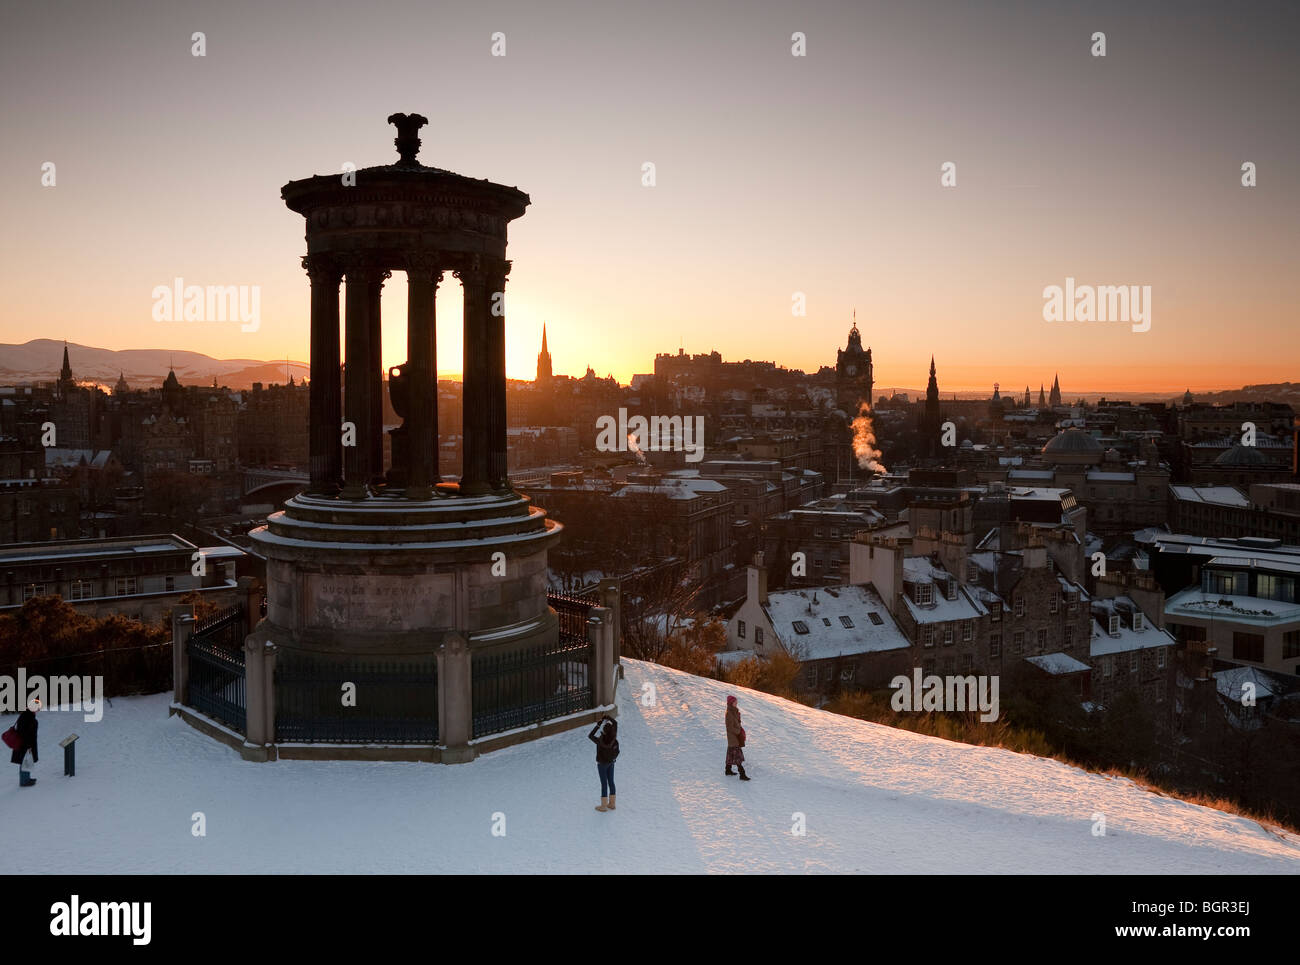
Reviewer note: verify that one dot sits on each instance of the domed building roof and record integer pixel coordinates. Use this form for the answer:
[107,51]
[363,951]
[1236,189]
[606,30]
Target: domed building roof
[1072,441]
[1241,456]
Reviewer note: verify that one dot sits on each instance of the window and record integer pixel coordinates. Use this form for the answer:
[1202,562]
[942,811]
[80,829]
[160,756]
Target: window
[1072,600]
[925,593]
[995,611]
[1133,662]
[927,666]
[826,621]
[1270,586]
[1290,644]
[169,583]
[1054,603]
[31,590]
[82,590]
[848,623]
[1018,642]
[812,676]
[927,636]
[967,662]
[1107,666]
[995,645]
[1042,640]
[126,585]
[972,573]
[1069,638]
[740,629]
[1020,608]
[947,636]
[968,631]
[800,626]
[1220,581]
[1248,646]
[1160,658]
[877,621]
[1137,620]
[1113,624]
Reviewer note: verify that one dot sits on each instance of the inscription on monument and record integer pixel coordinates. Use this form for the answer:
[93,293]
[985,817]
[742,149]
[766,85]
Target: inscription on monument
[380,602]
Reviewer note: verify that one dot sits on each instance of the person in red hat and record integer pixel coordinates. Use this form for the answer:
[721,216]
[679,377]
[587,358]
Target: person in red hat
[735,740]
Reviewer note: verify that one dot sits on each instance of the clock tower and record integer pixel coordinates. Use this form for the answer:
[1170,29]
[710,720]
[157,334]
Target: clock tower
[853,375]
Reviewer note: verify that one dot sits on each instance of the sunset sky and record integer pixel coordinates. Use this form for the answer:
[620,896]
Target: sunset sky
[776,174]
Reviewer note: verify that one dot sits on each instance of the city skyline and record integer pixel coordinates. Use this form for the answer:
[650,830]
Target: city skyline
[1120,170]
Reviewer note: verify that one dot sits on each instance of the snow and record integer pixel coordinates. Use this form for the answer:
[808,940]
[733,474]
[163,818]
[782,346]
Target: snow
[875,800]
[1058,663]
[1230,683]
[820,610]
[1215,495]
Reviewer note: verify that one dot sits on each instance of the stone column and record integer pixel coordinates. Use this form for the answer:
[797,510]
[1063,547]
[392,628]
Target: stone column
[377,382]
[326,394]
[494,289]
[609,591]
[421,422]
[182,630]
[601,666]
[477,382]
[359,376]
[455,703]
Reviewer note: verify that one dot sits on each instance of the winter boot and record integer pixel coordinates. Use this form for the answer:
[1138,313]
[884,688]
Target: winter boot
[25,779]
[743,775]
[729,772]
[611,801]
[603,805]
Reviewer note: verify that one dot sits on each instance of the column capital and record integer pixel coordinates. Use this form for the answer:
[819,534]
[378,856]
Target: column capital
[322,268]
[362,268]
[424,266]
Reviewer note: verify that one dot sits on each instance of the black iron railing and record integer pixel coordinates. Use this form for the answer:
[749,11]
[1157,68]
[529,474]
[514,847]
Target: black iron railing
[216,668]
[523,687]
[573,612]
[356,701]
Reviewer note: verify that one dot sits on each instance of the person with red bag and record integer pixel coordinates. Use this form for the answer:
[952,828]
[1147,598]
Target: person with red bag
[735,740]
[25,753]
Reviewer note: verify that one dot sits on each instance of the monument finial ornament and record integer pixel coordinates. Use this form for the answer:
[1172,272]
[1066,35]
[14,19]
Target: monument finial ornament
[408,135]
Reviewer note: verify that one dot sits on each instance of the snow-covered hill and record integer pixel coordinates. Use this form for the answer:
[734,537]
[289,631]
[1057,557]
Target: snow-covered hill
[874,800]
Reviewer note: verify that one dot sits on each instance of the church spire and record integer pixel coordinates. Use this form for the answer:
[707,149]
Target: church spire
[544,360]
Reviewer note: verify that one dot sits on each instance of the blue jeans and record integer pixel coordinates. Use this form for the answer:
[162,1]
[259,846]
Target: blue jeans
[606,772]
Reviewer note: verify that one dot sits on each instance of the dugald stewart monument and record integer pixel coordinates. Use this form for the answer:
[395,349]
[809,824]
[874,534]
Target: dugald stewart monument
[406,618]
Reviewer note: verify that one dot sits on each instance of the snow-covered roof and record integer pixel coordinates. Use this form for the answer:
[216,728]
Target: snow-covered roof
[1229,683]
[673,487]
[832,621]
[1213,495]
[1240,609]
[1125,639]
[965,606]
[1057,663]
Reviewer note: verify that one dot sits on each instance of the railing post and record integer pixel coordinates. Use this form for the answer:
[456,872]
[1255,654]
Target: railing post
[455,700]
[182,630]
[599,627]
[249,597]
[610,593]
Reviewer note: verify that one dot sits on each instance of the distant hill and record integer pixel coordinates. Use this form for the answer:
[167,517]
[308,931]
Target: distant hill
[39,361]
